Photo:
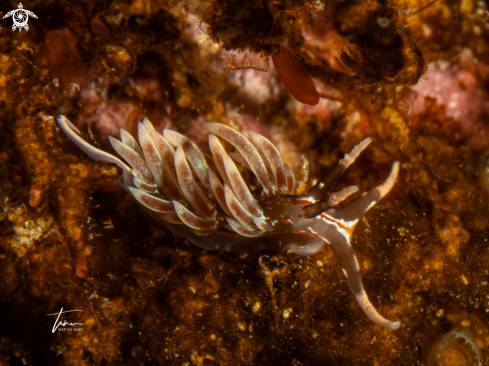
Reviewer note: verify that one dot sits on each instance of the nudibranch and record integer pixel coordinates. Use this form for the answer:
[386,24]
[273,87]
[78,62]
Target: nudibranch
[206,200]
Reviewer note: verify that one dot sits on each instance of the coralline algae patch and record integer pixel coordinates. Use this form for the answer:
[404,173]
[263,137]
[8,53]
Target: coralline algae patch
[452,96]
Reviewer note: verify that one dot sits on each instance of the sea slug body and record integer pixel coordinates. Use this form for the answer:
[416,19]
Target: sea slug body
[206,200]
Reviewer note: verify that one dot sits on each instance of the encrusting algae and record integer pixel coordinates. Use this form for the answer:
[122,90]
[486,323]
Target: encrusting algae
[412,76]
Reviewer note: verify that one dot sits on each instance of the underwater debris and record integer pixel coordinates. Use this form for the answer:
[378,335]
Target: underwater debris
[63,59]
[378,34]
[455,338]
[225,215]
[26,232]
[484,171]
[106,40]
[46,166]
[373,33]
[248,60]
[271,28]
[260,27]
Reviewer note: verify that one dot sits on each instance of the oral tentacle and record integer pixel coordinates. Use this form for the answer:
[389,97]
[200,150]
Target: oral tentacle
[315,209]
[327,182]
[359,206]
[341,195]
[324,205]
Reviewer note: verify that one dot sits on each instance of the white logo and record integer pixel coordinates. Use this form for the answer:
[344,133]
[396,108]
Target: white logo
[63,323]
[20,17]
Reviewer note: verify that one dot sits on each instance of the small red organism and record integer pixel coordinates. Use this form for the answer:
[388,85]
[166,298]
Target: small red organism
[295,76]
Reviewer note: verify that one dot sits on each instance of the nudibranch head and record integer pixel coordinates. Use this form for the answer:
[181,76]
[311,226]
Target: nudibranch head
[206,200]
[457,338]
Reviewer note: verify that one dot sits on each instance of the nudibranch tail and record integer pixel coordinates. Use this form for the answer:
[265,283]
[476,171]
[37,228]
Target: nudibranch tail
[206,200]
[372,313]
[344,220]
